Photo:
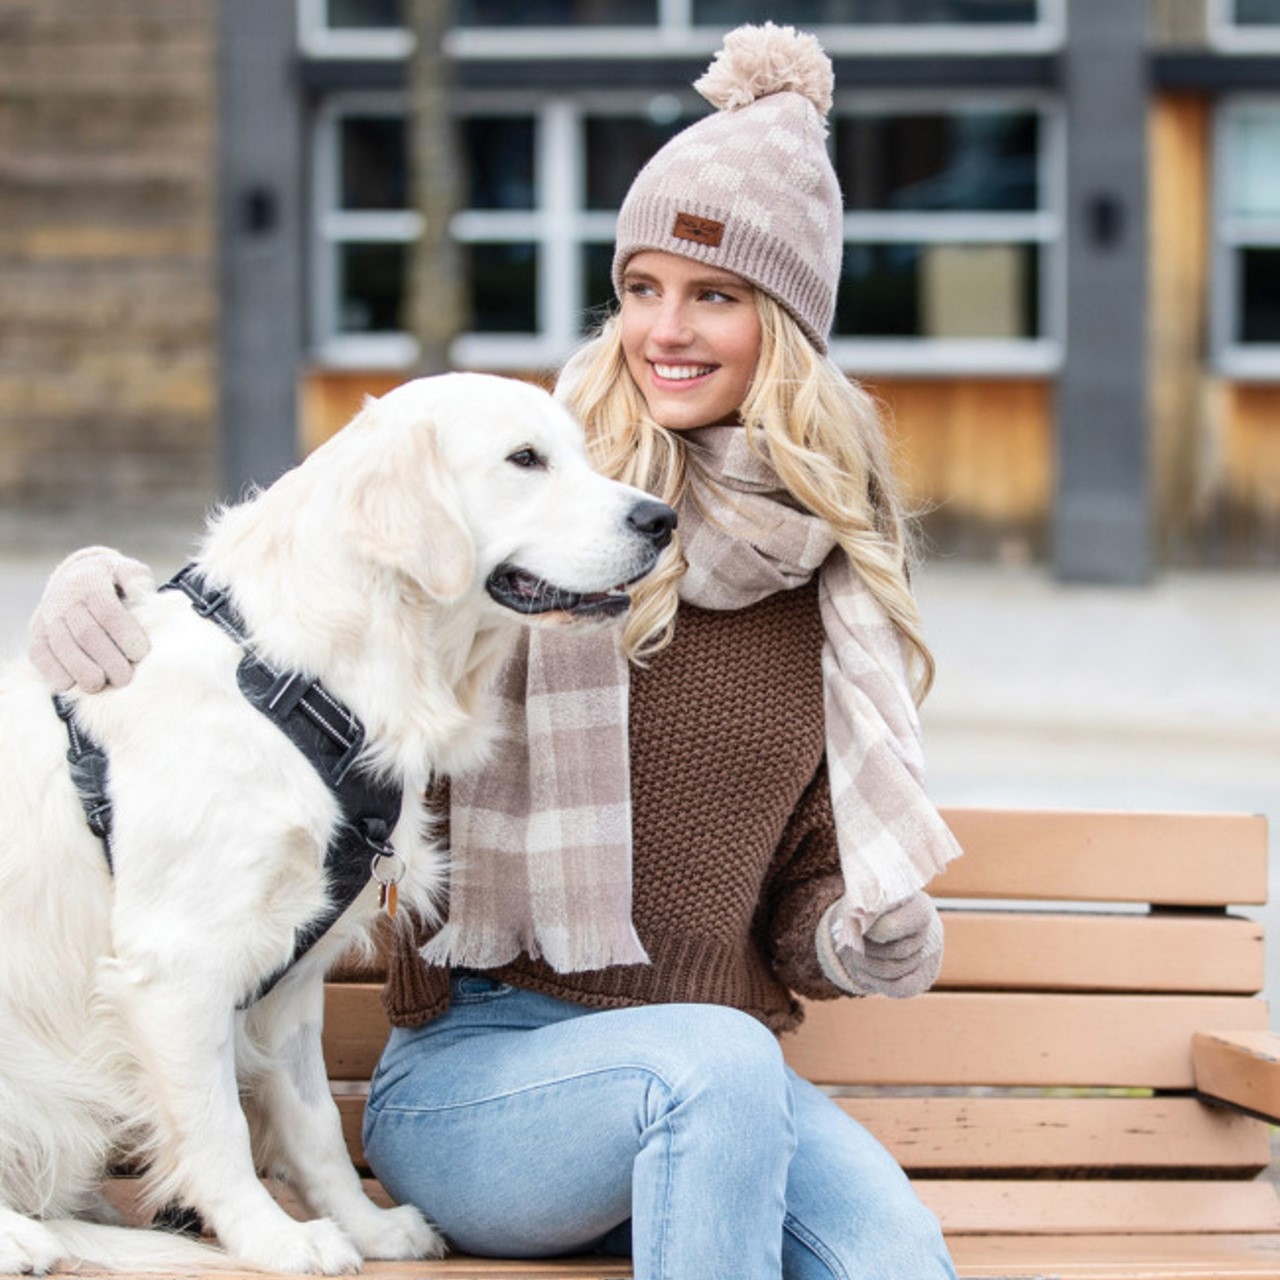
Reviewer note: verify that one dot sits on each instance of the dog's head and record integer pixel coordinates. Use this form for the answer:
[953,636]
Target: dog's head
[469,481]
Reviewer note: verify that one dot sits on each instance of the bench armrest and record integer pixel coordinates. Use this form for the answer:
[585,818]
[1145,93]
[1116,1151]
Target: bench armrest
[1240,1068]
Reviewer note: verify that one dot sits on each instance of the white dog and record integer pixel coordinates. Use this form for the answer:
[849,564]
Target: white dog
[391,566]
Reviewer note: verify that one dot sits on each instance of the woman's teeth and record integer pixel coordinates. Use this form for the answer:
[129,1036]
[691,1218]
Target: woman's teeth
[681,372]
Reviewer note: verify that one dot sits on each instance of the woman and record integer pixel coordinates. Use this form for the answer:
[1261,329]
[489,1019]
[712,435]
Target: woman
[558,1082]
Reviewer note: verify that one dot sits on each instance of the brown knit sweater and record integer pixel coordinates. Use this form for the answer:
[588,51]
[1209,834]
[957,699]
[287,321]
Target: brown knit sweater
[735,854]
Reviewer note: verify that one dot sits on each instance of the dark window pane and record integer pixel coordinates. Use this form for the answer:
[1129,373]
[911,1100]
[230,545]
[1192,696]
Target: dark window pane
[1260,295]
[371,287]
[373,162]
[557,13]
[616,149]
[365,13]
[939,291]
[598,298]
[1258,13]
[867,12]
[499,162]
[972,160]
[504,287]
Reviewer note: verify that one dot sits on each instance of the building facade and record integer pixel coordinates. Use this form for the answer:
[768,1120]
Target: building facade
[1062,238]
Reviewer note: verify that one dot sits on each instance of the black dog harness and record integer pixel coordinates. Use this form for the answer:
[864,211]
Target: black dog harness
[325,731]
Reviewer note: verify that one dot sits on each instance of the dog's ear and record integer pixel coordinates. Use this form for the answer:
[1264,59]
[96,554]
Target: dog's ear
[401,508]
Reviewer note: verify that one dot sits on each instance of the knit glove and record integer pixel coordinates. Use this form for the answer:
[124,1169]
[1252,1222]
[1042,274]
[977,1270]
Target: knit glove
[82,633]
[900,953]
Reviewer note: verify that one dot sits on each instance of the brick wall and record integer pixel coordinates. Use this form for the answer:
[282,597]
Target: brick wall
[107,302]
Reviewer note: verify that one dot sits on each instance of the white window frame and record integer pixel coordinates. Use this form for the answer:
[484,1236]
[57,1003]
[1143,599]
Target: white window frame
[317,39]
[1044,227]
[560,228]
[333,226]
[1228,36]
[675,33]
[1231,357]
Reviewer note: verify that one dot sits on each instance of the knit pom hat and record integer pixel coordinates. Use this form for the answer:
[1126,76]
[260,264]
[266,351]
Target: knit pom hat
[751,188]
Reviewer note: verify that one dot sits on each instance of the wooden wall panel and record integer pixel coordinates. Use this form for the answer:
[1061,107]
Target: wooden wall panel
[979,449]
[968,449]
[108,390]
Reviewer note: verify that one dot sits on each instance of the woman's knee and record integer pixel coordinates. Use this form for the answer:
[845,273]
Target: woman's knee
[718,1043]
[721,1059]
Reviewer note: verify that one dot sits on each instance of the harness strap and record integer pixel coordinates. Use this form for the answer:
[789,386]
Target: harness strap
[88,764]
[327,733]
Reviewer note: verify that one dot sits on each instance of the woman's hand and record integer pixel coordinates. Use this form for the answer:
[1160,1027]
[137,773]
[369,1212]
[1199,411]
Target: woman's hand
[900,953]
[82,633]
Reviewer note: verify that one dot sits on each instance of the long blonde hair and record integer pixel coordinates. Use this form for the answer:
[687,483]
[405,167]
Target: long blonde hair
[823,435]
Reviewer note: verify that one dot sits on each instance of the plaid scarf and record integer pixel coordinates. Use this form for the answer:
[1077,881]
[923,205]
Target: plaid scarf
[541,836]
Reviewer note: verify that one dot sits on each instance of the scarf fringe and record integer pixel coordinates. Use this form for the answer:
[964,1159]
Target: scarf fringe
[587,946]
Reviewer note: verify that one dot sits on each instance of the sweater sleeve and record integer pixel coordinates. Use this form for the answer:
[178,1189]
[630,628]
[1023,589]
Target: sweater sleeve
[804,880]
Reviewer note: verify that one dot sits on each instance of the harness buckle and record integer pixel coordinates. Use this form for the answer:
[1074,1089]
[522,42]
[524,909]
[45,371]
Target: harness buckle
[207,606]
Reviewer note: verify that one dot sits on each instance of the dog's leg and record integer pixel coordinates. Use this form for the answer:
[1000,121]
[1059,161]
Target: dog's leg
[304,1128]
[184,1034]
[26,1245]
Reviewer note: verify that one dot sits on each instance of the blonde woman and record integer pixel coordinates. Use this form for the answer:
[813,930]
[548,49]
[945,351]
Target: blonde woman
[690,825]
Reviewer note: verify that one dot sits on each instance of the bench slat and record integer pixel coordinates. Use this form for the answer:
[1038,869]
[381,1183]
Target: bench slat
[1241,1068]
[1176,859]
[953,1134]
[1222,1257]
[961,1038]
[1100,1207]
[944,1038]
[1151,1257]
[926,1134]
[1053,951]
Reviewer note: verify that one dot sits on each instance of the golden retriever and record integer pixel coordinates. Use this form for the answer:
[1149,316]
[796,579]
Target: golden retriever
[392,566]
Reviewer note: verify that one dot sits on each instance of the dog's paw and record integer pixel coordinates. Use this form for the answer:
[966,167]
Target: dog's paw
[27,1247]
[397,1234]
[318,1247]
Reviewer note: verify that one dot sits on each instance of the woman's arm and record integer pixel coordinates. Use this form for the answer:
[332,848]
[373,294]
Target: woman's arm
[901,950]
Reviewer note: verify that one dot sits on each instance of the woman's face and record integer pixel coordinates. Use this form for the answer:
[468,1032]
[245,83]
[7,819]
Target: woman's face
[691,338]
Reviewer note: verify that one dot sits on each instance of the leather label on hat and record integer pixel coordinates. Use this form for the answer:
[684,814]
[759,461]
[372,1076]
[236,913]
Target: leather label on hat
[700,230]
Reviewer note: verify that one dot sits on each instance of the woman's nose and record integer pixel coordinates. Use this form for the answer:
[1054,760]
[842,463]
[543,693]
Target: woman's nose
[671,324]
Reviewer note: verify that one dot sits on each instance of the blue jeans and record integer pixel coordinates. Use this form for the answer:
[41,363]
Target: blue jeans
[525,1127]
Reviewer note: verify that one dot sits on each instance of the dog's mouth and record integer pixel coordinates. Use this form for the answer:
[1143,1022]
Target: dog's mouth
[514,588]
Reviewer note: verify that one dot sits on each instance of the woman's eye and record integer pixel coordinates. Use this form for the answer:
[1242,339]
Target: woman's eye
[527,458]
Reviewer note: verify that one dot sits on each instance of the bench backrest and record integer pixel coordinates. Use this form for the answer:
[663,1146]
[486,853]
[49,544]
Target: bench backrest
[1083,952]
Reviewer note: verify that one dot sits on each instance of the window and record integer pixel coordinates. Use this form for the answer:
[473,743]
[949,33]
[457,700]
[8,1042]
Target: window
[952,242]
[653,28]
[353,29]
[545,184]
[952,236]
[1246,292]
[556,13]
[1244,26]
[881,13]
[363,228]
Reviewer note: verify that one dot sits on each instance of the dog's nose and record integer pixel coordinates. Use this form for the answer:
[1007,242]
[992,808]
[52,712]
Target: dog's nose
[655,520]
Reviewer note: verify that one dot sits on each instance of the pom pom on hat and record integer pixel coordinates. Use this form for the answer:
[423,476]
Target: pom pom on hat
[750,188]
[759,61]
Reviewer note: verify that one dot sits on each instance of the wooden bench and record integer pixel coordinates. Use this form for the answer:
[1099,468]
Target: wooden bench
[1079,1096]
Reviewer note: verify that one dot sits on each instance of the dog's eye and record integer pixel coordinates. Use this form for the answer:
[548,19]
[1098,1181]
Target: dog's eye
[527,458]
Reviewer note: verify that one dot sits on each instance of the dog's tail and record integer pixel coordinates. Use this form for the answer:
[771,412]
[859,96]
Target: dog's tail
[115,1248]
